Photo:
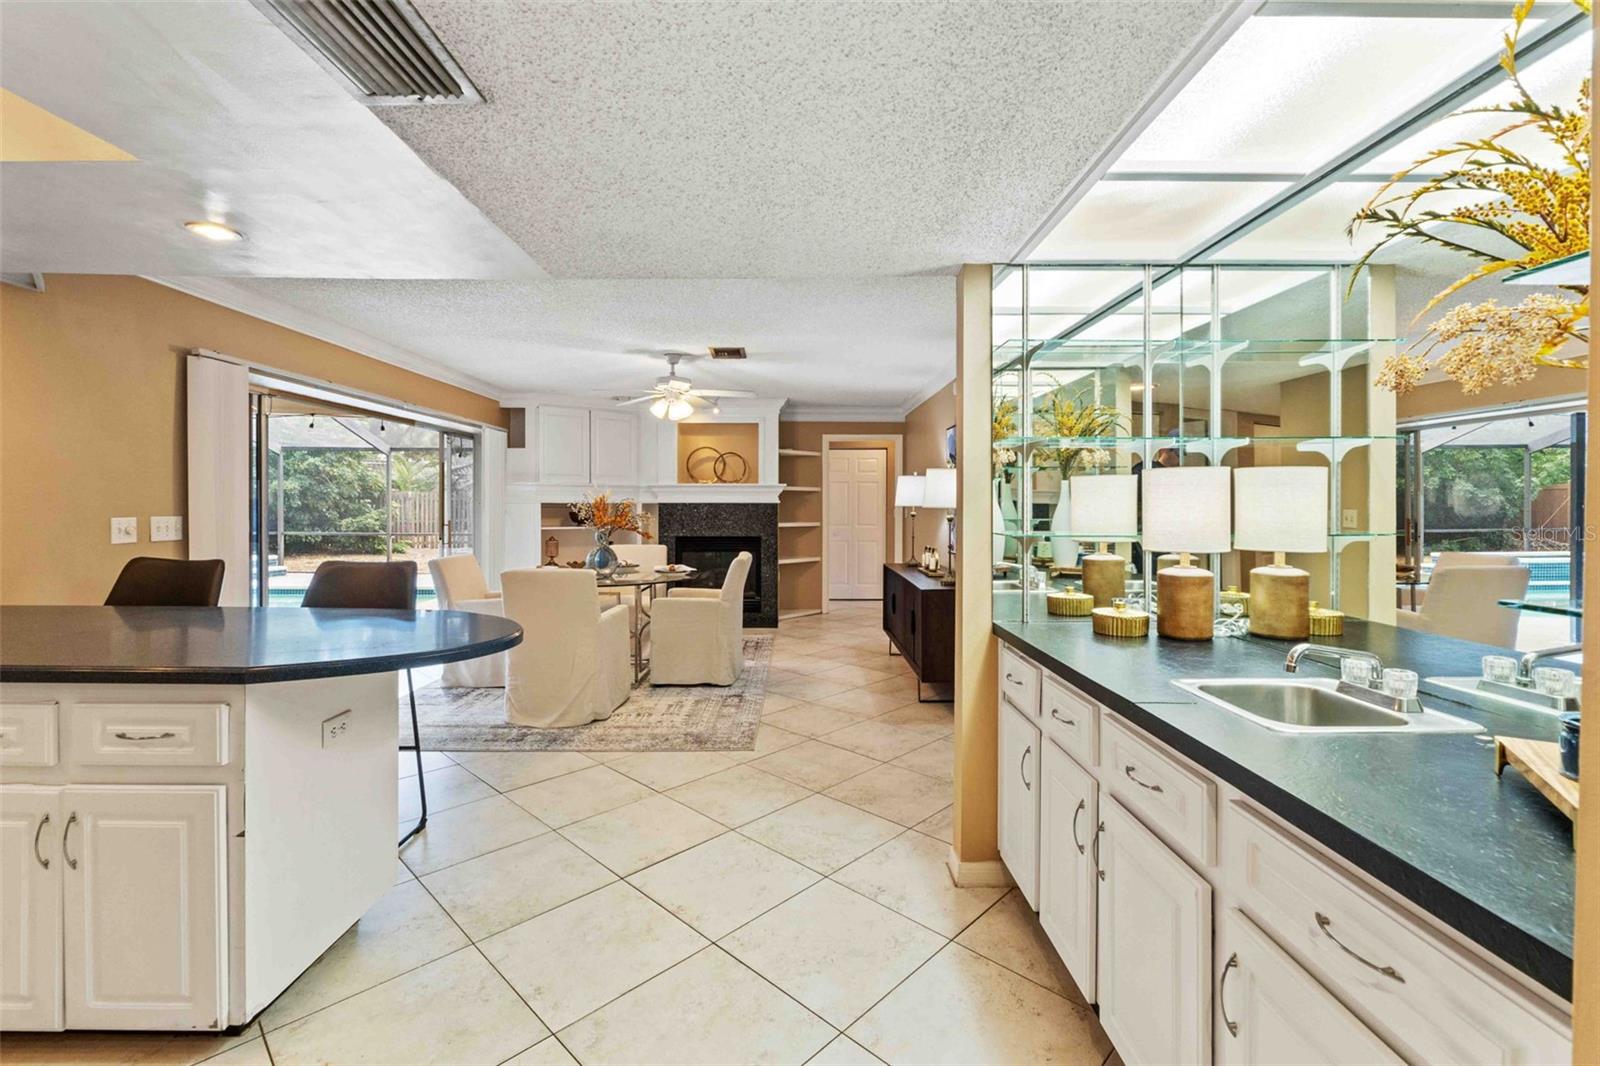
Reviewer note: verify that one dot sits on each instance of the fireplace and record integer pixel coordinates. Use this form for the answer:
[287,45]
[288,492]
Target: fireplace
[707,536]
[713,555]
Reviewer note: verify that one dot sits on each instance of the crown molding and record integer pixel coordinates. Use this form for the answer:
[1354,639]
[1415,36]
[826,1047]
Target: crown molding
[225,293]
[928,392]
[821,413]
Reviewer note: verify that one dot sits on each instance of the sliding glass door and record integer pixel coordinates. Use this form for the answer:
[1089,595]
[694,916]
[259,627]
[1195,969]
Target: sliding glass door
[336,483]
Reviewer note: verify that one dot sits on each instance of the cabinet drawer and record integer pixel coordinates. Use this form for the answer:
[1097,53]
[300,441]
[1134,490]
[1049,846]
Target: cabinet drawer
[28,734]
[150,734]
[1019,682]
[1071,719]
[1176,802]
[1426,998]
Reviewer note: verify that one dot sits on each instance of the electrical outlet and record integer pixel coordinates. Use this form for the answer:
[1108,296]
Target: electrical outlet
[125,531]
[1348,518]
[166,527]
[335,728]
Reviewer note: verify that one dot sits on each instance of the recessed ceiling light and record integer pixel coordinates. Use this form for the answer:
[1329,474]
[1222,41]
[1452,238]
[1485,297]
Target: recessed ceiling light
[213,231]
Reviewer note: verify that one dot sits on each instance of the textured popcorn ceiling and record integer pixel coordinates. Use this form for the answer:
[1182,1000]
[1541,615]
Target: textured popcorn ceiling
[847,342]
[785,140]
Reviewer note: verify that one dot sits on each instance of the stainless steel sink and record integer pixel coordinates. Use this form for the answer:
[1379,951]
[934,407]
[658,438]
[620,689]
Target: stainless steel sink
[1315,705]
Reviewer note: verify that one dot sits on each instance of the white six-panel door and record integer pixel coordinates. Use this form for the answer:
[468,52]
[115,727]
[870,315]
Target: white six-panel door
[856,482]
[30,907]
[145,908]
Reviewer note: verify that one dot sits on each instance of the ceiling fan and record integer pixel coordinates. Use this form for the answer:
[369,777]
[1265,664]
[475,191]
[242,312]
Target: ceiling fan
[673,397]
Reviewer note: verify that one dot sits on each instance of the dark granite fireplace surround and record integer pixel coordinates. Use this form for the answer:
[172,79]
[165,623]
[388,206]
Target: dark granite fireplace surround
[731,520]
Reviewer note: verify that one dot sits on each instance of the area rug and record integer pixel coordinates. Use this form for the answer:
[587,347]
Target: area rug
[669,718]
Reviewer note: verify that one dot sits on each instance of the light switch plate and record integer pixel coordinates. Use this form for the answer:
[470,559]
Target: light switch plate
[166,527]
[335,728]
[125,530]
[1348,518]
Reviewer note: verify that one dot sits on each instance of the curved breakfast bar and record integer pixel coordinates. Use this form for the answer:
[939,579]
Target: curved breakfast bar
[196,802]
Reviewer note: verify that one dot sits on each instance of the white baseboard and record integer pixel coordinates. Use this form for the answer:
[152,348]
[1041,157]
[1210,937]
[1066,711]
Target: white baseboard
[989,873]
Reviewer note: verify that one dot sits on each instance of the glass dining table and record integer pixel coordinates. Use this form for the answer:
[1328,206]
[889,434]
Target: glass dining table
[640,579]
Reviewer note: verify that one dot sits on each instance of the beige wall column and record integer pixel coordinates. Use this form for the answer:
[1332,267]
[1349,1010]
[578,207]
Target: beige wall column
[974,853]
[1380,412]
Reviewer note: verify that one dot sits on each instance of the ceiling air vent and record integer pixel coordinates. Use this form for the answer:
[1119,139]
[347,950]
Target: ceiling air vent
[381,47]
[727,353]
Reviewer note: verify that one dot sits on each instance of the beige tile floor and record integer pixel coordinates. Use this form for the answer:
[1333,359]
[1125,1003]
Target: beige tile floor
[788,904]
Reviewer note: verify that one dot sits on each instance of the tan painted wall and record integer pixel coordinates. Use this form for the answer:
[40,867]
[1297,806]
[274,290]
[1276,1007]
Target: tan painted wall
[1446,397]
[92,418]
[974,851]
[742,438]
[925,427]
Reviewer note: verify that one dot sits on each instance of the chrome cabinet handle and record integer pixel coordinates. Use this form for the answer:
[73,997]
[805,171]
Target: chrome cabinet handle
[1094,844]
[1075,814]
[1222,995]
[36,854]
[72,820]
[1022,768]
[1129,771]
[153,736]
[1323,922]
[1064,721]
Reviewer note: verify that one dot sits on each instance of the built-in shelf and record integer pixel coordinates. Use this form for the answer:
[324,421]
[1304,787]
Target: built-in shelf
[798,525]
[797,612]
[800,559]
[1568,270]
[802,488]
[798,452]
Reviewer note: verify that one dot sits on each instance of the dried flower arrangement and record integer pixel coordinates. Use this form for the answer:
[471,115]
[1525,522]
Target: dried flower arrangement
[598,512]
[1544,211]
[1059,417]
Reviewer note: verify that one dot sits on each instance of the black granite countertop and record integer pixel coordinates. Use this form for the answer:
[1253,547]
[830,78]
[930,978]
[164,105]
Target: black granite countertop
[1421,813]
[234,645]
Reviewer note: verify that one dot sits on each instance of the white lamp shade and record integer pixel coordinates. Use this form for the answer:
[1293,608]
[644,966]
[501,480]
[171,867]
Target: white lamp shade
[1281,508]
[908,490]
[939,489]
[1104,505]
[1188,509]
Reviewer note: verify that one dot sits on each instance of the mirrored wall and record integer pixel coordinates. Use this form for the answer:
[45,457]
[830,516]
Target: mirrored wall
[1106,371]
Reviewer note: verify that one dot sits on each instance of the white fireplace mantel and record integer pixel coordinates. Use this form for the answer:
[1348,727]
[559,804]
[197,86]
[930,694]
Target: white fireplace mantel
[710,493]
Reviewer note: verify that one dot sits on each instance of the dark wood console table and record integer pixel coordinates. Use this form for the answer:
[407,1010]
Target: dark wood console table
[919,616]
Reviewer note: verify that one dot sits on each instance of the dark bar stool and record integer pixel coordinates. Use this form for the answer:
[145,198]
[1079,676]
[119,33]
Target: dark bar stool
[149,582]
[375,587]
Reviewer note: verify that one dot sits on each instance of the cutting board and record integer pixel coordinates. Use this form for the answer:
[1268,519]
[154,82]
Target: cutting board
[1540,762]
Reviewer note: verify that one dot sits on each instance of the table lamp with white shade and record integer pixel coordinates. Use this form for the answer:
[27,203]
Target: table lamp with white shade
[1188,510]
[1102,507]
[939,493]
[908,492]
[1281,509]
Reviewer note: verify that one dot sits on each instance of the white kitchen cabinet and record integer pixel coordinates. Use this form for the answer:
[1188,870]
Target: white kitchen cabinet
[1018,799]
[144,906]
[1270,1012]
[613,448]
[30,907]
[563,443]
[1154,982]
[1069,811]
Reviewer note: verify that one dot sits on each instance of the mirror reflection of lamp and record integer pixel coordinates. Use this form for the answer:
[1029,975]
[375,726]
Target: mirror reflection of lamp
[1188,510]
[939,493]
[1281,509]
[1102,508]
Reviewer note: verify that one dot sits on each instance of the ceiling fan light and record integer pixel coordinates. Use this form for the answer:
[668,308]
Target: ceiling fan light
[659,408]
[678,410]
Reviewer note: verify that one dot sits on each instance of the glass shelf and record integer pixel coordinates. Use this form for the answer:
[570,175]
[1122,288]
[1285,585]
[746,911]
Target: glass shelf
[1568,270]
[1321,443]
[1077,353]
[1566,610]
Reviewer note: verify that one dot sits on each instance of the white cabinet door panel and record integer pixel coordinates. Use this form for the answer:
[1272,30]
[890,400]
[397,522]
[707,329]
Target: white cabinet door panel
[563,445]
[614,452]
[1270,1012]
[145,906]
[30,907]
[1069,811]
[1154,982]
[1019,801]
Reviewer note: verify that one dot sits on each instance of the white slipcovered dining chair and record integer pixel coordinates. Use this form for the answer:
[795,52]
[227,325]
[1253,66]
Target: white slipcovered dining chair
[458,581]
[697,635]
[572,666]
[648,556]
[1463,603]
